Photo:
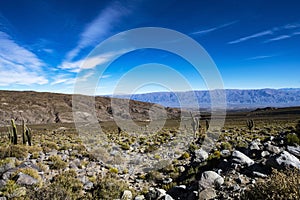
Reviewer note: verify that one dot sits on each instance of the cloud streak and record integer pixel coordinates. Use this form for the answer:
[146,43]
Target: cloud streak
[256,35]
[202,32]
[90,62]
[270,32]
[18,65]
[95,31]
[260,57]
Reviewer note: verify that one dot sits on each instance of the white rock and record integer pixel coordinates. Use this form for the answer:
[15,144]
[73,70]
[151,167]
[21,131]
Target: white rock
[288,159]
[210,179]
[273,149]
[139,197]
[241,158]
[24,179]
[208,193]
[127,195]
[168,197]
[201,155]
[294,150]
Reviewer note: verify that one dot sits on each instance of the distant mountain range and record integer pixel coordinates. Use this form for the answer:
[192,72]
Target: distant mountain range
[236,99]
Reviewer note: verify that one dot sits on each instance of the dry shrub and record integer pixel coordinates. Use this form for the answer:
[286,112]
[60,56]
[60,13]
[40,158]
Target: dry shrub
[280,185]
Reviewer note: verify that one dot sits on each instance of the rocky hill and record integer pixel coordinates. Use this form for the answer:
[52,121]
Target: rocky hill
[42,108]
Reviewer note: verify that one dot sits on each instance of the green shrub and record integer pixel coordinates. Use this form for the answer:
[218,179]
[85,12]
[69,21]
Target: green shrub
[108,187]
[292,139]
[18,151]
[154,176]
[215,155]
[113,170]
[185,155]
[9,188]
[49,146]
[57,162]
[226,145]
[280,185]
[64,186]
[124,146]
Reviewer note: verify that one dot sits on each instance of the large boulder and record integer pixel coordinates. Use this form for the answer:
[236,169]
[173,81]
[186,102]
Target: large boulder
[25,180]
[208,193]
[241,158]
[6,165]
[273,149]
[200,155]
[283,160]
[210,179]
[294,150]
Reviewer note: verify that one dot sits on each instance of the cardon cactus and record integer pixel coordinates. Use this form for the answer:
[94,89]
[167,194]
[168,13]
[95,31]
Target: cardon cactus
[10,135]
[28,135]
[14,129]
[195,124]
[207,124]
[23,133]
[250,124]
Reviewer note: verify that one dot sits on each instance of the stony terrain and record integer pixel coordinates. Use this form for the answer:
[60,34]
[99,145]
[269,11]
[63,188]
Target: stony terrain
[58,166]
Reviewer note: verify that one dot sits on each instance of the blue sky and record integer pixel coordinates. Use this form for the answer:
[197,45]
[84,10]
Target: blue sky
[255,44]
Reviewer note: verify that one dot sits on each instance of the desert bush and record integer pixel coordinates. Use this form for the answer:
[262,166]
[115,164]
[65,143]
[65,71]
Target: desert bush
[57,162]
[64,186]
[49,146]
[154,176]
[226,145]
[280,185]
[292,139]
[29,171]
[113,170]
[9,188]
[124,146]
[185,155]
[18,151]
[108,187]
[215,155]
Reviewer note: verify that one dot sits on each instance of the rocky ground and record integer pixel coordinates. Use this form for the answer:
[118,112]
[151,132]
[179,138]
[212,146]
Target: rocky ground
[58,166]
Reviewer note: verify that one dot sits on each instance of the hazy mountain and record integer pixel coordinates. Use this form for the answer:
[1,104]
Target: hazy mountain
[235,98]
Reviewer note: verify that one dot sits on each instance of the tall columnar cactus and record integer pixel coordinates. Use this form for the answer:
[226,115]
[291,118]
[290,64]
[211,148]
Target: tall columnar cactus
[119,131]
[23,133]
[14,129]
[250,124]
[195,124]
[10,135]
[207,124]
[28,135]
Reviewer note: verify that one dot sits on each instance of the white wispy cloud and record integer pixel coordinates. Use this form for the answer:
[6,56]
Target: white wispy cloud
[99,28]
[201,32]
[270,32]
[260,57]
[18,65]
[281,37]
[63,78]
[256,35]
[90,62]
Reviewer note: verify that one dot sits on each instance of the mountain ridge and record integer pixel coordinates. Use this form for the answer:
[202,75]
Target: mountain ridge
[235,98]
